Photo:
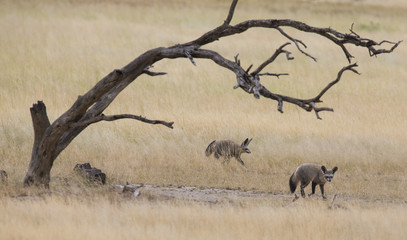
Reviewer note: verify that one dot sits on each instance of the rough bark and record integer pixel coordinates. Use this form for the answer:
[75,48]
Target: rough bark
[40,165]
[51,139]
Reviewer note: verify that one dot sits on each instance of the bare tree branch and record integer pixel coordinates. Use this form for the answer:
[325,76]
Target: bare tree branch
[237,60]
[373,51]
[317,109]
[120,116]
[248,69]
[148,72]
[338,38]
[231,12]
[273,74]
[349,67]
[308,104]
[296,41]
[188,54]
[272,58]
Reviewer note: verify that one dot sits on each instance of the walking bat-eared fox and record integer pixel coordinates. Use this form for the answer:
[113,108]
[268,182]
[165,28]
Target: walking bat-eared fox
[228,149]
[311,172]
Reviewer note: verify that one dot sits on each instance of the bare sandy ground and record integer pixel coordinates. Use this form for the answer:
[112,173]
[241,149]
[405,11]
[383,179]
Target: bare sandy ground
[246,197]
[208,195]
[233,196]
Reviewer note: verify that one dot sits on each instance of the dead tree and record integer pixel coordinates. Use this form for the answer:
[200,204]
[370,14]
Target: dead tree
[51,139]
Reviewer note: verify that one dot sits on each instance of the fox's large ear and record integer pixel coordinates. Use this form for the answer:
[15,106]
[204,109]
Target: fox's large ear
[334,169]
[323,168]
[245,142]
[249,141]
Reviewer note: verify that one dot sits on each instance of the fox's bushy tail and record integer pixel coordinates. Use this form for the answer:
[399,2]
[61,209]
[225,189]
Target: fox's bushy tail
[293,184]
[209,149]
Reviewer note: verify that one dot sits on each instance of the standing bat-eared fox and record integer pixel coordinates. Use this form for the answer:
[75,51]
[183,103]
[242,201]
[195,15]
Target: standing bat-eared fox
[311,172]
[228,149]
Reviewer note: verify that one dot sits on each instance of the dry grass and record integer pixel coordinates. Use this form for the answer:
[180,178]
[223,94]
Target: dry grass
[55,51]
[61,218]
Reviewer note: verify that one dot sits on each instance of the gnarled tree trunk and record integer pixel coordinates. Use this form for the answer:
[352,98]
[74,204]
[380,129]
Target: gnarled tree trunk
[51,139]
[41,163]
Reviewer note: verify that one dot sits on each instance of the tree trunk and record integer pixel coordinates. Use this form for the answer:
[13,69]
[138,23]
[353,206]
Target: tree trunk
[41,163]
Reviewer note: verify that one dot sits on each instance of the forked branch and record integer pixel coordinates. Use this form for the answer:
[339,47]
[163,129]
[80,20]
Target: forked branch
[251,82]
[296,42]
[272,58]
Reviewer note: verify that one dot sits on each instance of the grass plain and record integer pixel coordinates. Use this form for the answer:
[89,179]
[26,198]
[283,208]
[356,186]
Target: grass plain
[56,50]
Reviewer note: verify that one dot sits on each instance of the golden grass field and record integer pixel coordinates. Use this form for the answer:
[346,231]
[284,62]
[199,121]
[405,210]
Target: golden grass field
[56,50]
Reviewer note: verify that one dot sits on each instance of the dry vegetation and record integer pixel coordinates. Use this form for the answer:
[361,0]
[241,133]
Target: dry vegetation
[56,50]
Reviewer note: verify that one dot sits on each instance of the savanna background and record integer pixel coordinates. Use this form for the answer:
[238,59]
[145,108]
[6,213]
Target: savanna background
[56,50]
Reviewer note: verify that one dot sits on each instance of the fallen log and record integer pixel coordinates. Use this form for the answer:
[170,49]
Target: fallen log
[90,173]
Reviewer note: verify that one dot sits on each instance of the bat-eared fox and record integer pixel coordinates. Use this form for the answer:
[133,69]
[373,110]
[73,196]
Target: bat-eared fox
[311,172]
[228,149]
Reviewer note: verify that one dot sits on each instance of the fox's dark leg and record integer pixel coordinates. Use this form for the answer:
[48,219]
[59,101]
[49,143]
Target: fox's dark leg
[302,191]
[216,155]
[313,189]
[322,191]
[303,185]
[240,160]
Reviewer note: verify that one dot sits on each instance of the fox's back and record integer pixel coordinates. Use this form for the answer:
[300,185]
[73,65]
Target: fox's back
[227,147]
[308,171]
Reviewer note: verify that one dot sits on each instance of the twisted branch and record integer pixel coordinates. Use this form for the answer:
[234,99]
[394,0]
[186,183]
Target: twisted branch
[117,117]
[251,82]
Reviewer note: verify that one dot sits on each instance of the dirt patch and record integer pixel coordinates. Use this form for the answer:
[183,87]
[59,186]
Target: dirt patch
[209,195]
[203,195]
[235,196]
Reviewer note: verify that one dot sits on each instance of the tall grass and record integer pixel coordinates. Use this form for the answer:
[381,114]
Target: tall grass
[61,218]
[55,51]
